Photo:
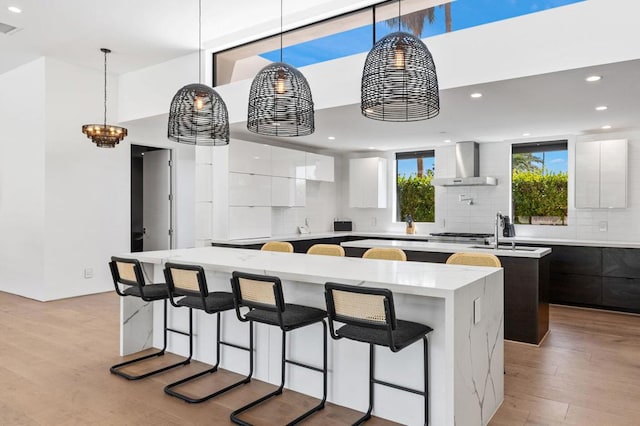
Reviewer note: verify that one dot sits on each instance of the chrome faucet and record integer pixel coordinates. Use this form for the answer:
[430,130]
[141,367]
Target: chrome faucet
[499,224]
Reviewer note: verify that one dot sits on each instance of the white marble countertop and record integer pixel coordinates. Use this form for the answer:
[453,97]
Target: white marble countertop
[530,252]
[418,278]
[424,237]
[570,242]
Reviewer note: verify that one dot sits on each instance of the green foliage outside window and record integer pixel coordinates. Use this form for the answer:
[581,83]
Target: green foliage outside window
[537,194]
[416,197]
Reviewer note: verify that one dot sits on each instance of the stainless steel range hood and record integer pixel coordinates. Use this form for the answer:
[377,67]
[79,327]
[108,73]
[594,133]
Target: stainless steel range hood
[467,168]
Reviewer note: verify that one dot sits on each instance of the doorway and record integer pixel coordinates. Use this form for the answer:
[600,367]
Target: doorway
[151,199]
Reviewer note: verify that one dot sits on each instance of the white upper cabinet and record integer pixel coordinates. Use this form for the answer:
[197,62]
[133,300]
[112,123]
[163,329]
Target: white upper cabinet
[288,163]
[249,157]
[319,167]
[601,174]
[288,192]
[249,190]
[368,182]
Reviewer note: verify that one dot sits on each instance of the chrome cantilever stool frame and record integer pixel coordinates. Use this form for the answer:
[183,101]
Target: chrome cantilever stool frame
[187,287]
[128,272]
[263,296]
[368,315]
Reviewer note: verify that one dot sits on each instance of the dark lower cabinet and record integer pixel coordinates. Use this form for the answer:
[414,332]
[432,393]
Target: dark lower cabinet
[575,289]
[621,293]
[621,262]
[596,277]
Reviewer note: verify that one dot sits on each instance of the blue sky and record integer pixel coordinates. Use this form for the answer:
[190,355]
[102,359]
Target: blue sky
[554,161]
[464,14]
[410,167]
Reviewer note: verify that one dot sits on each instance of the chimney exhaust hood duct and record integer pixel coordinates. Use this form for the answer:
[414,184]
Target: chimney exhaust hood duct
[467,168]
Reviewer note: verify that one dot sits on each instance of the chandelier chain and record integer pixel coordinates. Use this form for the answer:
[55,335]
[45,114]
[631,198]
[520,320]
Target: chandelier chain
[199,41]
[105,88]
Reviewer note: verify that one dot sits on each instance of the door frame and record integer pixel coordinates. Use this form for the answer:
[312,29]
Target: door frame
[172,186]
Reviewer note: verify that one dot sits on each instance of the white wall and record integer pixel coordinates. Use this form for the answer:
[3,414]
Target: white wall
[22,179]
[87,211]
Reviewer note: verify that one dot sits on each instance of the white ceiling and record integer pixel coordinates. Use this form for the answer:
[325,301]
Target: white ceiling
[144,32]
[554,104]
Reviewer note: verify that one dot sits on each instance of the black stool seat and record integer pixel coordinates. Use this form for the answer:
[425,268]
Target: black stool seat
[406,333]
[151,291]
[264,298]
[216,301]
[294,316]
[369,316]
[187,287]
[128,273]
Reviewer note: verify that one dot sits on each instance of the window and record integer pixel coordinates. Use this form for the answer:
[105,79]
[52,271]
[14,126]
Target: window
[539,183]
[414,192]
[353,33]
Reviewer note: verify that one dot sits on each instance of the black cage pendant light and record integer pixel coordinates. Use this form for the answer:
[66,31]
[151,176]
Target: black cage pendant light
[280,102]
[198,115]
[104,135]
[399,81]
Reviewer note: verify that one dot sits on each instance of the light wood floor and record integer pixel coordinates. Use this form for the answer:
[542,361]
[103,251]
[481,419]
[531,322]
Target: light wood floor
[54,360]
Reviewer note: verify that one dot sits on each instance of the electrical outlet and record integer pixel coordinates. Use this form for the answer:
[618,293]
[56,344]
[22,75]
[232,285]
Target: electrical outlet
[477,310]
[603,226]
[88,272]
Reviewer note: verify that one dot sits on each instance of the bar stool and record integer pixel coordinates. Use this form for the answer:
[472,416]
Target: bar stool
[189,282]
[474,259]
[263,296]
[369,316]
[281,246]
[326,250]
[385,253]
[128,272]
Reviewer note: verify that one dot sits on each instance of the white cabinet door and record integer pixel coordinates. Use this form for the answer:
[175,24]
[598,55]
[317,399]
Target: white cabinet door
[288,192]
[319,167]
[601,174]
[288,163]
[249,190]
[613,174]
[368,182]
[249,222]
[249,157]
[587,175]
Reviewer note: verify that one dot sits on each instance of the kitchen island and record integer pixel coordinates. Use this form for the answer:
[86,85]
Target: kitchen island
[466,347]
[526,279]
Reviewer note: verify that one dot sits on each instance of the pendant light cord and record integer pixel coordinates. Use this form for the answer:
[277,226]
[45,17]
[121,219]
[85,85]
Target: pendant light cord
[399,16]
[280,30]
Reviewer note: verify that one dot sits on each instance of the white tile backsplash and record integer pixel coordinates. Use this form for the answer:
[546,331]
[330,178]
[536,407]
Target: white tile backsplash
[495,160]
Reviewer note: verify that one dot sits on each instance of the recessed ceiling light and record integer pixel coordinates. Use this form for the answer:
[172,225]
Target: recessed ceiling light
[593,78]
[526,134]
[447,141]
[332,138]
[476,95]
[14,9]
[372,147]
[601,108]
[606,127]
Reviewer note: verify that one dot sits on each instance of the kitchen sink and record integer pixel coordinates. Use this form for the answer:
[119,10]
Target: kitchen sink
[507,248]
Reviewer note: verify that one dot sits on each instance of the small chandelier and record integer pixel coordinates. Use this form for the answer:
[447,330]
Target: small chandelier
[198,115]
[280,102]
[104,135]
[399,81]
